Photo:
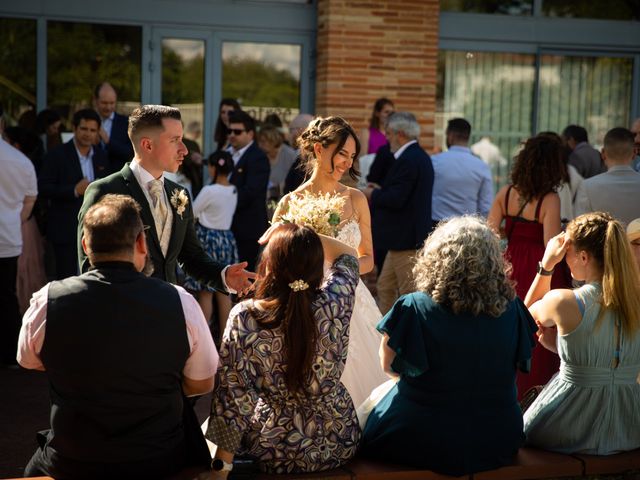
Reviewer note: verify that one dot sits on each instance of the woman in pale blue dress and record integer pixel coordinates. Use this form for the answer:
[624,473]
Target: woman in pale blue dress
[592,405]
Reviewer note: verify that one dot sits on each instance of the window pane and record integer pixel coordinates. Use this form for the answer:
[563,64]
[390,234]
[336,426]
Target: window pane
[504,7]
[183,79]
[82,55]
[18,68]
[264,77]
[494,92]
[601,9]
[594,92]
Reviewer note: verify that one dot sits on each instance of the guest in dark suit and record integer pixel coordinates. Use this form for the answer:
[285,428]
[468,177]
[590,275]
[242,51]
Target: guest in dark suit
[67,171]
[156,133]
[251,178]
[586,159]
[401,208]
[381,165]
[113,136]
[119,350]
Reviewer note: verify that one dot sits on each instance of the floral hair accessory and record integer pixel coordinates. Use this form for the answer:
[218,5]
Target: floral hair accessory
[179,200]
[298,285]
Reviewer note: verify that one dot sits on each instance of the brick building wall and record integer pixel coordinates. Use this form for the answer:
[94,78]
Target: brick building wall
[378,48]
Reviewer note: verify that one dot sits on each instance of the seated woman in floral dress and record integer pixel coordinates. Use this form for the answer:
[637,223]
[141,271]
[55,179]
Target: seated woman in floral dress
[455,344]
[279,398]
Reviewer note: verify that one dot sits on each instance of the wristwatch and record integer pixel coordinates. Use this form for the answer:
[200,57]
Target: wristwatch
[220,465]
[543,272]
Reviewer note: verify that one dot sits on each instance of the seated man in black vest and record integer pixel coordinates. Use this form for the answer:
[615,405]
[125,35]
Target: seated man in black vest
[120,349]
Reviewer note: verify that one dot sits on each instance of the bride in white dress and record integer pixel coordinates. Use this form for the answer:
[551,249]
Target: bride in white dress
[331,145]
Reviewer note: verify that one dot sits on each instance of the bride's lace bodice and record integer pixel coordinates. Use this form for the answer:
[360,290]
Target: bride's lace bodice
[350,234]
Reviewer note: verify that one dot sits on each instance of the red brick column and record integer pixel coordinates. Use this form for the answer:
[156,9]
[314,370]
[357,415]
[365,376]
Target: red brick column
[378,48]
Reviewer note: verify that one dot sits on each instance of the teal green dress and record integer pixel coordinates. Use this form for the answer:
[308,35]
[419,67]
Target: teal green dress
[454,409]
[589,406]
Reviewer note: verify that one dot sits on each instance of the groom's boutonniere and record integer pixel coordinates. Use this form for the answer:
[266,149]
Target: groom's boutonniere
[179,200]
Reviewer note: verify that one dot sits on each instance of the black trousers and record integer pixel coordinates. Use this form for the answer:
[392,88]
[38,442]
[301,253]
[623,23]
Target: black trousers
[9,313]
[46,462]
[66,260]
[248,251]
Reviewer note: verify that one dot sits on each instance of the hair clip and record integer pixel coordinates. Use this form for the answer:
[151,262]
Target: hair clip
[298,285]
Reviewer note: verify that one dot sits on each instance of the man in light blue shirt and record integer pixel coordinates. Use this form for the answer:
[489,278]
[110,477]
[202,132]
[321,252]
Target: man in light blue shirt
[462,182]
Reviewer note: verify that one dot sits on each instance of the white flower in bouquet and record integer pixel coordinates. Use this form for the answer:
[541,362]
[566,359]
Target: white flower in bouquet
[320,212]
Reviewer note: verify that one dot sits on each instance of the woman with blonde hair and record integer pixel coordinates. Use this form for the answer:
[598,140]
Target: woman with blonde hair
[281,156]
[591,405]
[455,344]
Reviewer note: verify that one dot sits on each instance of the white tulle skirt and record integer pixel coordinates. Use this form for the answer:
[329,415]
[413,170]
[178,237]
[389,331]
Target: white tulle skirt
[363,371]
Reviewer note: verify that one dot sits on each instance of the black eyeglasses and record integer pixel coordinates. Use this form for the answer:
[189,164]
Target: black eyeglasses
[235,131]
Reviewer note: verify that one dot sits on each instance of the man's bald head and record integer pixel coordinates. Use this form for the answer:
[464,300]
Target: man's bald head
[105,98]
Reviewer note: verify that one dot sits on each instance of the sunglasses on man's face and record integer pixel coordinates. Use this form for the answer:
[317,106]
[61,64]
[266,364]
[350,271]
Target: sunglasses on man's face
[235,131]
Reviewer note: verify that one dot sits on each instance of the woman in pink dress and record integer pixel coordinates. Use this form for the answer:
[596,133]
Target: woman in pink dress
[374,137]
[530,208]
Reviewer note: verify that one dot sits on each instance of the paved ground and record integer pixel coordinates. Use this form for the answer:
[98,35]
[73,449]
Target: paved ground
[24,410]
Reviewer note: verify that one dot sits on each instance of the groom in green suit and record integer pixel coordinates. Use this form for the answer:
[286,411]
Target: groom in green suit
[156,134]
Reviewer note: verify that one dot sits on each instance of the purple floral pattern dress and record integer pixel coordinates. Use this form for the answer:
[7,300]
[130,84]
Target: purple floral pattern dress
[254,413]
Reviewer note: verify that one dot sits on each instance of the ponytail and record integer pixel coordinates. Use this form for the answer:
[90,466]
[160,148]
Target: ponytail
[290,274]
[300,334]
[621,279]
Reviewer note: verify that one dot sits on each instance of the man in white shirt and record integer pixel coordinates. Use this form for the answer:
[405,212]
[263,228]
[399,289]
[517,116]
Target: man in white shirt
[18,192]
[66,172]
[462,183]
[617,190]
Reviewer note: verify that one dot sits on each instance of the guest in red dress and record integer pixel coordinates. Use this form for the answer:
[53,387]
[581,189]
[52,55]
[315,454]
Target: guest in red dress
[530,208]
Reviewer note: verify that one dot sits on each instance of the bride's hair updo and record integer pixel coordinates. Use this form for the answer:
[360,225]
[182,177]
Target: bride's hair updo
[327,131]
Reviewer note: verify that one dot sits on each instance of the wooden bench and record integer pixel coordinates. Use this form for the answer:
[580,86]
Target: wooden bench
[611,464]
[530,463]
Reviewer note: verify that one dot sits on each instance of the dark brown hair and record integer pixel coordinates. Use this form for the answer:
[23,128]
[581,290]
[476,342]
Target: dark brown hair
[538,168]
[293,253]
[374,121]
[327,131]
[565,151]
[619,143]
[149,117]
[220,134]
[111,226]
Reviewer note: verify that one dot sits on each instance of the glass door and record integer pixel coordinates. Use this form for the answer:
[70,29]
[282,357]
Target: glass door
[590,90]
[179,76]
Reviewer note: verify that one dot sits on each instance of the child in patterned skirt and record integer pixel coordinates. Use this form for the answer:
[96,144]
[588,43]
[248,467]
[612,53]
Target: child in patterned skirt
[214,208]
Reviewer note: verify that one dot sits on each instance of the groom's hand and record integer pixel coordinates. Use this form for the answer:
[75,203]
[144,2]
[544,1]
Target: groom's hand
[238,278]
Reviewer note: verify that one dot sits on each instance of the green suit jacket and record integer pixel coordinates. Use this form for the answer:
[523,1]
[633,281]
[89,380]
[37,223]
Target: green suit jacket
[184,246]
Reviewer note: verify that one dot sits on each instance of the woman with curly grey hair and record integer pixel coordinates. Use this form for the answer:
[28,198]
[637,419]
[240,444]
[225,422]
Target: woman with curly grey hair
[455,345]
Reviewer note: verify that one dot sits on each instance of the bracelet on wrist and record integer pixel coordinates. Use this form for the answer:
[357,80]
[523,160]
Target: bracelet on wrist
[544,272]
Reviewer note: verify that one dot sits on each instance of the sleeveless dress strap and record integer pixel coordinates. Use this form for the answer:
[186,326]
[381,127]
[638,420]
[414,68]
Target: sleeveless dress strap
[506,201]
[537,215]
[580,301]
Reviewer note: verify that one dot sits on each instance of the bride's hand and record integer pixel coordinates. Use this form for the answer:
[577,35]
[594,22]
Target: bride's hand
[266,236]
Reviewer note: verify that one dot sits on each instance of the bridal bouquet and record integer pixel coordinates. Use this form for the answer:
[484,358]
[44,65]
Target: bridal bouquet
[321,212]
